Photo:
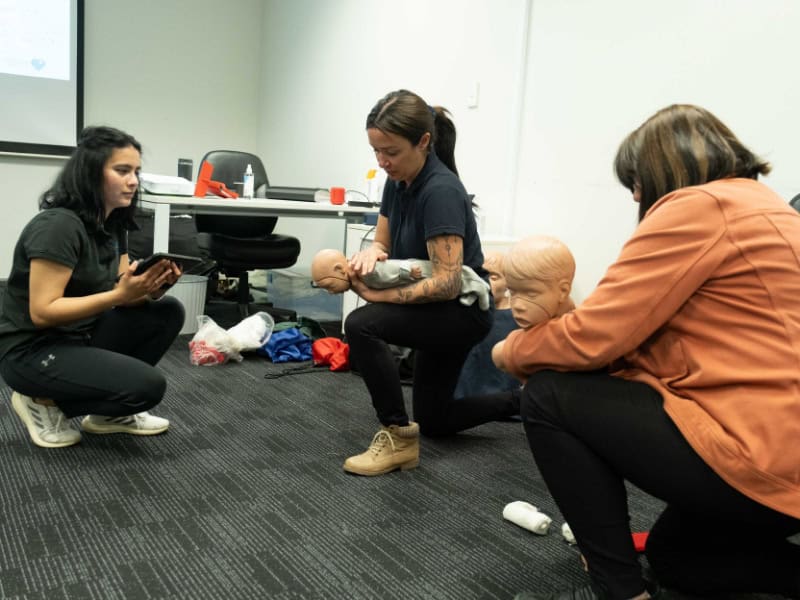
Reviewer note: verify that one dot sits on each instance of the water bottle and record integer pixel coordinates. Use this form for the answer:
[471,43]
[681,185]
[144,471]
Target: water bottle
[372,187]
[247,182]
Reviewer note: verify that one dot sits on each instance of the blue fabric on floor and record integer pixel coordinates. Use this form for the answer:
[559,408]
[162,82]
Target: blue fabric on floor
[287,345]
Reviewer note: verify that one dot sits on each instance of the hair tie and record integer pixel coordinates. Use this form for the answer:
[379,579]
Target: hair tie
[433,111]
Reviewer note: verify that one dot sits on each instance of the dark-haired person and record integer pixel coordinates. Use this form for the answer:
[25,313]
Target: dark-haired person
[79,332]
[425,214]
[680,374]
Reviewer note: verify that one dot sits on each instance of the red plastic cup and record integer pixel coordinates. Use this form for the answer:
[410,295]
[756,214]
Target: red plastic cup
[337,195]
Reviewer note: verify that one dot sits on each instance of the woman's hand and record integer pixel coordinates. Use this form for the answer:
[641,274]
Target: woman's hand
[134,287]
[363,263]
[171,277]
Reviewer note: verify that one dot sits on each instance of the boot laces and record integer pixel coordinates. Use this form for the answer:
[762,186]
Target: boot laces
[379,441]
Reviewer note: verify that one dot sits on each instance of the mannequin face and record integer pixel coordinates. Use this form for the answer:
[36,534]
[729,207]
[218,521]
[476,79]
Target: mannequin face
[329,271]
[533,301]
[401,160]
[333,284]
[497,281]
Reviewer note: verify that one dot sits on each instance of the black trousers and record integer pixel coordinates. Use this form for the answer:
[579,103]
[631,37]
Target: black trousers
[110,372]
[442,333]
[589,433]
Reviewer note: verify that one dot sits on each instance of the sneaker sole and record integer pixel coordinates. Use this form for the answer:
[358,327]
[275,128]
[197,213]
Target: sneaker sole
[20,408]
[89,427]
[412,464]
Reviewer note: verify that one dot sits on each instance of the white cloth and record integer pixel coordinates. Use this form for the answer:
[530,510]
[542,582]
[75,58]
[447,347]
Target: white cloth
[252,332]
[566,531]
[527,516]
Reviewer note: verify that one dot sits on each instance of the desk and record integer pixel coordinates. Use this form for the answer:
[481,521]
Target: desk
[162,206]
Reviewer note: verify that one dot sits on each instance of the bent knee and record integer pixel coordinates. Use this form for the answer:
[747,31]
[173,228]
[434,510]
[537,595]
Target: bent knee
[356,323]
[538,394]
[147,392]
[170,310]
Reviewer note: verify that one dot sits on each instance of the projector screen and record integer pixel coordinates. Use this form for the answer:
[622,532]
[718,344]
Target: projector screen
[41,75]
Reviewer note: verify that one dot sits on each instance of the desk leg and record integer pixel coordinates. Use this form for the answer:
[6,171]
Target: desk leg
[359,232]
[161,228]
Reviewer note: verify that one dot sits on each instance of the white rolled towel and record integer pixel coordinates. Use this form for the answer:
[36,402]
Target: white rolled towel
[527,516]
[566,531]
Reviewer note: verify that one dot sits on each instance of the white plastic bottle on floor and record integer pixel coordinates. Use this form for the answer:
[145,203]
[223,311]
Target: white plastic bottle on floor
[247,186]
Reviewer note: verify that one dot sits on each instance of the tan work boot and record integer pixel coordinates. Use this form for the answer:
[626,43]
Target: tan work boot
[393,447]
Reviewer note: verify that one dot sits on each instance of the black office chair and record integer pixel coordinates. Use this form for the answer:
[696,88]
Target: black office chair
[795,203]
[241,244]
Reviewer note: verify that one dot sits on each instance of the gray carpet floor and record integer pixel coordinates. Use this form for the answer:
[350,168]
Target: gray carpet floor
[245,497]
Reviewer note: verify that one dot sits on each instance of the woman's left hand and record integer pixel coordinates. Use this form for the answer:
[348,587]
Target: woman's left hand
[167,279]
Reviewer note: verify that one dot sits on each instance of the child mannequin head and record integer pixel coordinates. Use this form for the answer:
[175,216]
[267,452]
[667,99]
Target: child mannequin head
[539,272]
[493,263]
[329,271]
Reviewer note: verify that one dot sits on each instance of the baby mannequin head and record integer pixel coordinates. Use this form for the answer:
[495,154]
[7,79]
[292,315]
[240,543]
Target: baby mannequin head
[329,271]
[493,263]
[539,272]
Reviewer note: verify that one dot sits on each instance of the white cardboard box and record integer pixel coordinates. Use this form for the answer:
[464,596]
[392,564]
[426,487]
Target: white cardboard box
[167,185]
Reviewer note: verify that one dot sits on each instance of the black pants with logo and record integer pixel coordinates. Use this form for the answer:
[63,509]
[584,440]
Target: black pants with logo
[590,433]
[111,372]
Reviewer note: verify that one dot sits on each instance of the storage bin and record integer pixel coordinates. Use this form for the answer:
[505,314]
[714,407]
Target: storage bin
[191,291]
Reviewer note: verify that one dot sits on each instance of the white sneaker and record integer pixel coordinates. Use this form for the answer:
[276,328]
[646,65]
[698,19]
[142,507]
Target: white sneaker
[47,425]
[142,423]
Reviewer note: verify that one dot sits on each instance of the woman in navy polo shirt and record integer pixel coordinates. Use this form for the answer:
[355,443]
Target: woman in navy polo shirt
[425,214]
[79,331]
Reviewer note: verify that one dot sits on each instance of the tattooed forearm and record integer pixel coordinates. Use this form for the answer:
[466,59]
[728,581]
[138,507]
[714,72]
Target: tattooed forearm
[446,253]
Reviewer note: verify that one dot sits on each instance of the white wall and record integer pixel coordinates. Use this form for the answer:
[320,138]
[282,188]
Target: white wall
[326,63]
[598,69]
[182,77]
[294,81]
[594,71]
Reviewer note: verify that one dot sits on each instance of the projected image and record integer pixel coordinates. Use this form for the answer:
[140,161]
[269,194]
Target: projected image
[36,38]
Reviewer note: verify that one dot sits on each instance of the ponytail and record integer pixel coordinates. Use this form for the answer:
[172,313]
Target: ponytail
[443,138]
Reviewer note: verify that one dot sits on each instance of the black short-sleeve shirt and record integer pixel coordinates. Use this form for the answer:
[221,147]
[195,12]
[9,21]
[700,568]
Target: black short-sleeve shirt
[435,203]
[58,235]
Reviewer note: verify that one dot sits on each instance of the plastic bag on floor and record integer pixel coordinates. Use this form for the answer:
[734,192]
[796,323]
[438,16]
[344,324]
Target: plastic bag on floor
[252,333]
[211,345]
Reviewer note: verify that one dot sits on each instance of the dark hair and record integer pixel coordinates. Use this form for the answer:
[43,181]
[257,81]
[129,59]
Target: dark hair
[679,146]
[79,185]
[405,114]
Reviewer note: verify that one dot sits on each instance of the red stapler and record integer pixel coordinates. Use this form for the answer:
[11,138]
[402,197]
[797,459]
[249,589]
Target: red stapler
[205,184]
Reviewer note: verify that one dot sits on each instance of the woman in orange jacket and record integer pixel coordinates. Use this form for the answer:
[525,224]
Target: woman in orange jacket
[680,374]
